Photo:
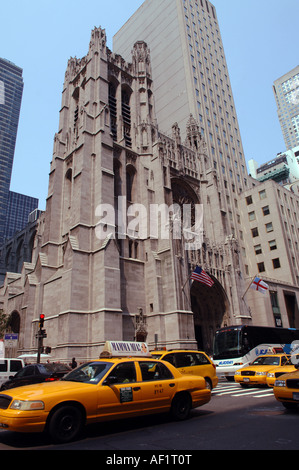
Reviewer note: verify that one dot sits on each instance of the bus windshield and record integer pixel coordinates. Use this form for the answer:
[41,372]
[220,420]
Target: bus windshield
[228,344]
[237,341]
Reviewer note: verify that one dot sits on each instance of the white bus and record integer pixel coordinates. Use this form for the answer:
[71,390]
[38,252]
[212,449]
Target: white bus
[237,346]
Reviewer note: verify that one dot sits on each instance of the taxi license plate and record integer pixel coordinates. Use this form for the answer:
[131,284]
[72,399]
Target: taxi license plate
[296,396]
[246,379]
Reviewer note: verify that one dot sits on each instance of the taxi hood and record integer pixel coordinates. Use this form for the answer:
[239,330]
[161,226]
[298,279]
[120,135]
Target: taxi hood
[290,375]
[38,391]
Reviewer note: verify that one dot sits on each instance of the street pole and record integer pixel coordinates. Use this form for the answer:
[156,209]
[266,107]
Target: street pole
[41,334]
[40,345]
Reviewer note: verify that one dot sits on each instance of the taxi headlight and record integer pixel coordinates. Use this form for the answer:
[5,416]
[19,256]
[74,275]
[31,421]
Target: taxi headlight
[261,373]
[27,405]
[238,372]
[270,374]
[279,383]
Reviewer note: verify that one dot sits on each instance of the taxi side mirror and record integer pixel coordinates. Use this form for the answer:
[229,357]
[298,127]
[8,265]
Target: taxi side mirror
[112,379]
[296,366]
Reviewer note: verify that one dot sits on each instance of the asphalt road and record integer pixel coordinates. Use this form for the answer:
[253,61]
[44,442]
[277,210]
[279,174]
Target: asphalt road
[235,419]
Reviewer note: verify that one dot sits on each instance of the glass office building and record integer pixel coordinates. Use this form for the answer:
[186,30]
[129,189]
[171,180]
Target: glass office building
[11,90]
[19,208]
[286,92]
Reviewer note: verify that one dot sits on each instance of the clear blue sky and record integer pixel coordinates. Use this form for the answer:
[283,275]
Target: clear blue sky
[260,41]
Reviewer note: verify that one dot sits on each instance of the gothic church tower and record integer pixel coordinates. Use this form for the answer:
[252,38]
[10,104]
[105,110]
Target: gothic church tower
[97,277]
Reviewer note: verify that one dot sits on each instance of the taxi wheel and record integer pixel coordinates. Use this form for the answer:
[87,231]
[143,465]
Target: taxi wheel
[181,406]
[208,383]
[66,423]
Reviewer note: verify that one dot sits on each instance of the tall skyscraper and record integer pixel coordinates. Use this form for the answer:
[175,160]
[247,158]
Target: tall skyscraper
[286,91]
[11,90]
[190,76]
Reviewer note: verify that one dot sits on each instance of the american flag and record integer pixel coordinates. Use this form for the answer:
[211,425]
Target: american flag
[201,276]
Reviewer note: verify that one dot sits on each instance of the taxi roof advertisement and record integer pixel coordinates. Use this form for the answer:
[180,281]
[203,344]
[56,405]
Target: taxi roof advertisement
[125,348]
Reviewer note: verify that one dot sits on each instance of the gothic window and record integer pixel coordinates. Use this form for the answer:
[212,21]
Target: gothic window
[126,115]
[68,188]
[113,110]
[130,181]
[76,96]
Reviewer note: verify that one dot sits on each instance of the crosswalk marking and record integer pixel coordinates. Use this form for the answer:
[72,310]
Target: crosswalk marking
[235,390]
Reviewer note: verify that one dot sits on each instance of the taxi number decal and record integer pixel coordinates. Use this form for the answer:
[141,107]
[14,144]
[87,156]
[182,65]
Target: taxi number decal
[126,394]
[158,389]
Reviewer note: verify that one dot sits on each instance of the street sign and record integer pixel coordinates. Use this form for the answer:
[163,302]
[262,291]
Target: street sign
[11,340]
[11,337]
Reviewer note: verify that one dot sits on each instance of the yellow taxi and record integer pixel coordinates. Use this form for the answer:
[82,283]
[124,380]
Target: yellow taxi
[286,390]
[131,384]
[289,366]
[190,362]
[256,372]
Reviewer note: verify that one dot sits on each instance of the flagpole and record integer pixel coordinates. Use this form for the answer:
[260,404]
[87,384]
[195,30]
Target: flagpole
[183,287]
[248,287]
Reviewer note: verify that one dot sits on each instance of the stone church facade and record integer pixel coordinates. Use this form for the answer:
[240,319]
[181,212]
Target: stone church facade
[127,285]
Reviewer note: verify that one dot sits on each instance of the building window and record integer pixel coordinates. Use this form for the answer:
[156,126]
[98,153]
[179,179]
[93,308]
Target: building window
[258,249]
[249,200]
[261,267]
[266,210]
[269,227]
[276,263]
[272,245]
[263,194]
[254,232]
[251,215]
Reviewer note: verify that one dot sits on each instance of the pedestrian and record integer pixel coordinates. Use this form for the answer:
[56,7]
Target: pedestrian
[73,363]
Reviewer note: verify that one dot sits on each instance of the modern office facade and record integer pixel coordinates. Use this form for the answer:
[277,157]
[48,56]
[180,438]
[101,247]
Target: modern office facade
[11,90]
[270,228]
[19,208]
[286,92]
[18,249]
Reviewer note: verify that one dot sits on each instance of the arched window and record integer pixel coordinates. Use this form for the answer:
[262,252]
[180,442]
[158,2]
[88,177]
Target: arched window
[14,321]
[68,187]
[130,175]
[126,115]
[113,110]
[76,96]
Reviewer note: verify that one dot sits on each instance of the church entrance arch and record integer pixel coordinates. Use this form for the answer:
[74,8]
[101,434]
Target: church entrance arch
[210,307]
[13,324]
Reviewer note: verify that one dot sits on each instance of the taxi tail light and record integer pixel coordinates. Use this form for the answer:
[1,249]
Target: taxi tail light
[51,379]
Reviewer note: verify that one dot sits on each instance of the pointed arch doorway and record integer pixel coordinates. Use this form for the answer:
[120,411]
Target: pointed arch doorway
[210,307]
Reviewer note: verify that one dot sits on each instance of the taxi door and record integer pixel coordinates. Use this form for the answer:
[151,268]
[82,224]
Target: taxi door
[119,393]
[157,386]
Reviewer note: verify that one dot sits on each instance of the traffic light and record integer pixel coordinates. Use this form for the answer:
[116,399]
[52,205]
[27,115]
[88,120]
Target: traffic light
[41,320]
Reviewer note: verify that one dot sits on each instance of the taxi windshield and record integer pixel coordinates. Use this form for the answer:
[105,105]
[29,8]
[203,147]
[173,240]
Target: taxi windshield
[266,361]
[90,372]
[156,355]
